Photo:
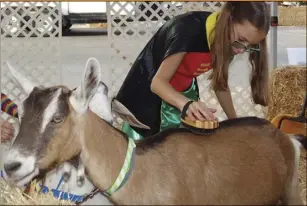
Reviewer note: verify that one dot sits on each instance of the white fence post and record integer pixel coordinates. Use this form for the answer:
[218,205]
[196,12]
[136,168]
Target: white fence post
[274,24]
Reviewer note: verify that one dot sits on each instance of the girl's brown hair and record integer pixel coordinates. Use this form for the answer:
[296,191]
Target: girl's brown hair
[257,13]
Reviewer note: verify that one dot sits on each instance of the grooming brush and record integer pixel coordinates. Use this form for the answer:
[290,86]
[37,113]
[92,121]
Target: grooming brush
[198,127]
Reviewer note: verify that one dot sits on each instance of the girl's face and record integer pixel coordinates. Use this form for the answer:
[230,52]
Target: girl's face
[245,37]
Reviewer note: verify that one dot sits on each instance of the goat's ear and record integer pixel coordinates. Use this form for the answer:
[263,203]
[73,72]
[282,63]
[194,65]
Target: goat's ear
[100,104]
[119,109]
[92,76]
[23,82]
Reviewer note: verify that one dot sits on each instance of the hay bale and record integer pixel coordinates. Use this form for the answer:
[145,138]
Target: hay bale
[14,196]
[292,16]
[288,90]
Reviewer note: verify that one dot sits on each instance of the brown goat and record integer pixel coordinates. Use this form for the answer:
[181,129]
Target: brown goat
[246,161]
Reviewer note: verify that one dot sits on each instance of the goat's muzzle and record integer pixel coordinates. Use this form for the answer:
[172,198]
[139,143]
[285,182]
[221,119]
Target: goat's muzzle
[19,169]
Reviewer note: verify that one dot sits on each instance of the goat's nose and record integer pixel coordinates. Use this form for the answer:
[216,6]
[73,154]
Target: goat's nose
[11,167]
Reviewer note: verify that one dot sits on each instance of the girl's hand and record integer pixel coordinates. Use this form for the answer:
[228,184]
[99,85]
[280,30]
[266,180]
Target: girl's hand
[197,110]
[7,130]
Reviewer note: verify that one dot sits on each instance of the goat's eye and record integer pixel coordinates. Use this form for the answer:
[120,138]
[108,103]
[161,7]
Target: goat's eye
[58,119]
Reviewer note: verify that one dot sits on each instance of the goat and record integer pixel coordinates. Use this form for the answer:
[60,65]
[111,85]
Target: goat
[246,161]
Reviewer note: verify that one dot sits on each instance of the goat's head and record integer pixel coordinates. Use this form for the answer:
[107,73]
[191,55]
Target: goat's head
[50,121]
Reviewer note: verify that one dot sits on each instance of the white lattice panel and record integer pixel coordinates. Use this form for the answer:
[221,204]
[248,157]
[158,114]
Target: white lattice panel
[132,24]
[239,84]
[30,41]
[122,57]
[30,19]
[135,20]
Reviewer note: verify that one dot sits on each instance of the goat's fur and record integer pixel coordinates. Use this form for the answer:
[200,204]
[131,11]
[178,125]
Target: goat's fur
[246,161]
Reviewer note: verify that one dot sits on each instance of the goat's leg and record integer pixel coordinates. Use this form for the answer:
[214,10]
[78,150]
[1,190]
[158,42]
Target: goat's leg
[67,171]
[77,163]
[68,167]
[80,173]
[292,195]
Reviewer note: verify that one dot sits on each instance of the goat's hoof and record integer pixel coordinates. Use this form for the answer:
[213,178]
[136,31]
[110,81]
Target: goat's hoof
[80,180]
[66,176]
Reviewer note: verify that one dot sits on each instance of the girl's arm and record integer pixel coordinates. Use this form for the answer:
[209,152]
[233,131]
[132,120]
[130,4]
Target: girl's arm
[226,103]
[160,85]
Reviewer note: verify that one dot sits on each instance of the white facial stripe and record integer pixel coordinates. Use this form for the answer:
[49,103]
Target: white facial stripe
[50,110]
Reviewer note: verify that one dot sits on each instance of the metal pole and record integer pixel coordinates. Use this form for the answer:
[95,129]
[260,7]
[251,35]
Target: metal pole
[274,24]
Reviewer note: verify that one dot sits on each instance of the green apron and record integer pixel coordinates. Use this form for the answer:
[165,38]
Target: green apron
[170,115]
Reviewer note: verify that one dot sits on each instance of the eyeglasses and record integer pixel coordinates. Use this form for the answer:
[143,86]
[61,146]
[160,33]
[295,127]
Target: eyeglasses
[239,45]
[251,48]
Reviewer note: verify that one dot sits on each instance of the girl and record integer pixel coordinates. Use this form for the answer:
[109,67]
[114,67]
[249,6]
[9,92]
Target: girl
[162,81]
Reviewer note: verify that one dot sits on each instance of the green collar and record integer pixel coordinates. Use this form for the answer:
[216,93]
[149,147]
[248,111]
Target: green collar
[126,169]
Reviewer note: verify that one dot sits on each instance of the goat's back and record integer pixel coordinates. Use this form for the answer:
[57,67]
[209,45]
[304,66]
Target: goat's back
[240,163]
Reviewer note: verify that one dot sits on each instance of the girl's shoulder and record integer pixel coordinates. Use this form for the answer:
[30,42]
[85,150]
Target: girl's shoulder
[189,19]
[187,25]
[191,23]
[191,15]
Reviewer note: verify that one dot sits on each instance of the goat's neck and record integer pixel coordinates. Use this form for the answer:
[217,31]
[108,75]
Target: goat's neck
[103,151]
